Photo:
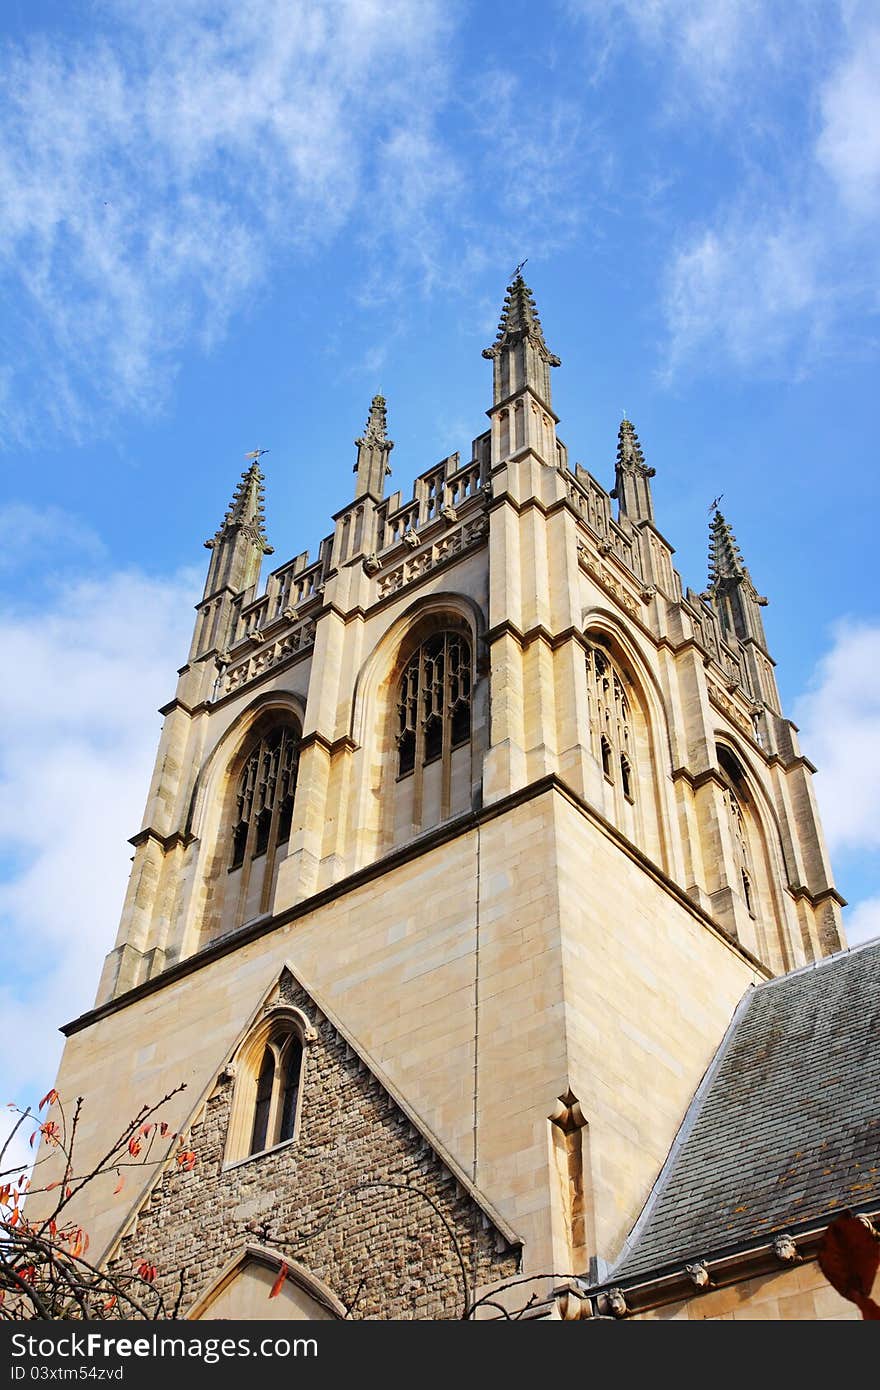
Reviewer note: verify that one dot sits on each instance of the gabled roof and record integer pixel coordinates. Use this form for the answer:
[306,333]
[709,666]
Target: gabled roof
[785,1128]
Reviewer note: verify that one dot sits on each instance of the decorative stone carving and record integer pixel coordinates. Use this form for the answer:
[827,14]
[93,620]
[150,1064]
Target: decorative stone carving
[784,1248]
[616,1302]
[372,563]
[698,1274]
[571,1305]
[727,707]
[411,539]
[449,514]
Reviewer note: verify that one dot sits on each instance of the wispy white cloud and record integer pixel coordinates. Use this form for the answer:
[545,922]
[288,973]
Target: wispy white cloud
[77,741]
[151,172]
[768,277]
[708,48]
[848,147]
[749,292]
[862,921]
[30,532]
[839,719]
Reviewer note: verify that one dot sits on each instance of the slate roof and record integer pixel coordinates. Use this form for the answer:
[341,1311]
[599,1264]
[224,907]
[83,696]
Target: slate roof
[785,1128]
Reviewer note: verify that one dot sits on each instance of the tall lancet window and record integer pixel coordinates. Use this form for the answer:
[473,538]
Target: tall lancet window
[624,783]
[278,1082]
[610,722]
[738,818]
[262,816]
[433,732]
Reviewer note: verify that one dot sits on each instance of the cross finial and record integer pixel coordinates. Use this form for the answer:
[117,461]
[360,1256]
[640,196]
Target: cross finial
[517,271]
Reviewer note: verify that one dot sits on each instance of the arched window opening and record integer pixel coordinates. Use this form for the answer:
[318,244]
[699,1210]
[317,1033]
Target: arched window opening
[610,719]
[736,798]
[606,757]
[264,796]
[277,1093]
[626,777]
[434,702]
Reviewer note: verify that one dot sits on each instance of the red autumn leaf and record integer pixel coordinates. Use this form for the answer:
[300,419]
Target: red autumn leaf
[14,1217]
[163,1128]
[68,1192]
[279,1282]
[51,1132]
[146,1130]
[28,1274]
[111,1303]
[134,1147]
[4,1193]
[147,1271]
[49,1098]
[186,1160]
[849,1256]
[119,1186]
[79,1242]
[51,1186]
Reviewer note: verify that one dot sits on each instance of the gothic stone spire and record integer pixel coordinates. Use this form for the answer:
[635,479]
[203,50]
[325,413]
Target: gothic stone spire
[373,448]
[731,587]
[240,543]
[632,487]
[520,355]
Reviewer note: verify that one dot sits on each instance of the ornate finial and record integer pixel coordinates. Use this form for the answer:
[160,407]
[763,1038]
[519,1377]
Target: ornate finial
[629,450]
[375,430]
[246,510]
[713,505]
[725,560]
[519,319]
[517,274]
[373,446]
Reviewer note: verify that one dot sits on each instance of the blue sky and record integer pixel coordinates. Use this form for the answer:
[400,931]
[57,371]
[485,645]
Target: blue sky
[226,223]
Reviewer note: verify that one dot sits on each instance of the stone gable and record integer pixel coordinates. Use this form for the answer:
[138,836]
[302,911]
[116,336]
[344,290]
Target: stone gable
[360,1197]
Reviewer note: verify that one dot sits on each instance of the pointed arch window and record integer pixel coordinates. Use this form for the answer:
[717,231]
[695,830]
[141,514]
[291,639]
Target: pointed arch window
[277,1092]
[610,721]
[269,1075]
[434,702]
[739,809]
[264,796]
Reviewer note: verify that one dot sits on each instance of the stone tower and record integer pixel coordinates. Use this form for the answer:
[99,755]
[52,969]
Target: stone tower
[481,804]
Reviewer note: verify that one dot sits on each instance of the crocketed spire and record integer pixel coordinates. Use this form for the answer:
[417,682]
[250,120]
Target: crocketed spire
[519,354]
[631,474]
[373,448]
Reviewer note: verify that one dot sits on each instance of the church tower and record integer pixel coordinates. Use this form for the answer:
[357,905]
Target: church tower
[476,825]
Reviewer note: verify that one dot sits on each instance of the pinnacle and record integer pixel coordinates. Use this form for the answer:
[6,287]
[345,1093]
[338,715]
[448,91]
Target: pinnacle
[519,319]
[629,450]
[376,429]
[725,560]
[245,511]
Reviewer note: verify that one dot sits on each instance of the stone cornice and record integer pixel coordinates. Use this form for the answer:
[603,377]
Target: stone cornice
[330,746]
[725,1265]
[176,704]
[166,842]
